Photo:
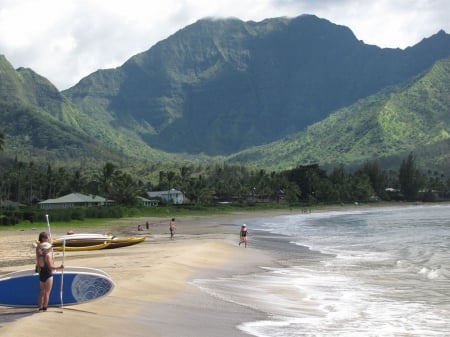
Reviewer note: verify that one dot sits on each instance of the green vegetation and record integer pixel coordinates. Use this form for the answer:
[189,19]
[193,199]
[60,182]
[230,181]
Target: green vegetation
[97,217]
[410,178]
[214,189]
[41,125]
[386,126]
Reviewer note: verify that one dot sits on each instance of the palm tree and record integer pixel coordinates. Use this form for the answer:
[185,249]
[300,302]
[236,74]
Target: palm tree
[124,189]
[170,177]
[105,178]
[2,141]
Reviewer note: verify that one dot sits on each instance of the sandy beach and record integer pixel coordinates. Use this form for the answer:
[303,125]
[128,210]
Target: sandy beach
[153,295]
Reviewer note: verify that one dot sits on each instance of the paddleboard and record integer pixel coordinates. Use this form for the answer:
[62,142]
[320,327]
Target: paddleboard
[80,285]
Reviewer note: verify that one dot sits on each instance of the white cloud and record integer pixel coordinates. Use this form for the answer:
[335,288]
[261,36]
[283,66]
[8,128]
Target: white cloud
[65,40]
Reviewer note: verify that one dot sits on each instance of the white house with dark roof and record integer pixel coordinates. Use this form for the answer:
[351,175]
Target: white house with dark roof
[73,200]
[170,196]
[147,202]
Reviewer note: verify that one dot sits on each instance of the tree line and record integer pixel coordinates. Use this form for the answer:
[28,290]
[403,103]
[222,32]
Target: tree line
[205,184]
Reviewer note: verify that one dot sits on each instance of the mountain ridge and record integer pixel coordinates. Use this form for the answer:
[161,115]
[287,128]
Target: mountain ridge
[273,83]
[228,84]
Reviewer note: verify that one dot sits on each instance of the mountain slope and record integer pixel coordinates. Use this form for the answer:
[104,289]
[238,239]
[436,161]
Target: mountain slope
[386,126]
[40,124]
[219,86]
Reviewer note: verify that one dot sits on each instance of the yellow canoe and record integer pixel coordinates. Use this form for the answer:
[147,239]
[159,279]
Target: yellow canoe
[102,245]
[82,239]
[124,242]
[86,245]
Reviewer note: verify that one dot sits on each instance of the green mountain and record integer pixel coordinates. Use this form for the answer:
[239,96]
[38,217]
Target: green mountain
[277,93]
[41,124]
[220,86]
[385,126]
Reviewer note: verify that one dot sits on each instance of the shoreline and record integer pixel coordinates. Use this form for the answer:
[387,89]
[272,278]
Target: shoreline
[154,294]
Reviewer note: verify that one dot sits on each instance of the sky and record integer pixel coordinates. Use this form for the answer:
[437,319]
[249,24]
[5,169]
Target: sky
[66,40]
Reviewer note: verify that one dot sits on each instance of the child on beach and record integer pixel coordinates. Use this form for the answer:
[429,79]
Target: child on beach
[243,235]
[172,228]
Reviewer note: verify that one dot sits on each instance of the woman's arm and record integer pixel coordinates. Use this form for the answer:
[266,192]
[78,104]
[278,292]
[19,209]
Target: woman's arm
[50,264]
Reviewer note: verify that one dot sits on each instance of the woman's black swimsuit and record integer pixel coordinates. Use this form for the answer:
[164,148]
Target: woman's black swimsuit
[45,272]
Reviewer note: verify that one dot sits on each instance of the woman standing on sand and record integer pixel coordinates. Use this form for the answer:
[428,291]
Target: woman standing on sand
[46,267]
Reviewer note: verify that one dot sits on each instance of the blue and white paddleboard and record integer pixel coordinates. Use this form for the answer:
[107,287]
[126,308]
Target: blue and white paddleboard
[80,285]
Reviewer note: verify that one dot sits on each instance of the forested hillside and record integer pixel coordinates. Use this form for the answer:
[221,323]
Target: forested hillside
[386,126]
[40,124]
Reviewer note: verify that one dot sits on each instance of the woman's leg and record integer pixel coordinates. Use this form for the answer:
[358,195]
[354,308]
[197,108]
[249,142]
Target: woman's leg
[41,295]
[47,289]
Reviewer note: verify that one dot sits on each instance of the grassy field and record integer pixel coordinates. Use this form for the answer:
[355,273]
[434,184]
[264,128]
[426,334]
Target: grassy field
[159,212]
[166,212]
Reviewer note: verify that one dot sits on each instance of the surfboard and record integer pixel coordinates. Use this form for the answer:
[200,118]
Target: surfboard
[80,285]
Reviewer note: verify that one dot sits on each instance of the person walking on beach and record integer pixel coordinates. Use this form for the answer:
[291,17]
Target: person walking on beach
[46,267]
[243,235]
[172,228]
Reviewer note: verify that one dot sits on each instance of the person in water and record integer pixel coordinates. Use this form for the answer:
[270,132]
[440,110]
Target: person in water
[46,267]
[243,235]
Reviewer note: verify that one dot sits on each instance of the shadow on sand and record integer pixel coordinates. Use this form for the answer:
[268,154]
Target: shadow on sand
[12,314]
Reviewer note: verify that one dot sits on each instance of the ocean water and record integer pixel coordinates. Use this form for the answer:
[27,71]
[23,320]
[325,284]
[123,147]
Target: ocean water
[379,272]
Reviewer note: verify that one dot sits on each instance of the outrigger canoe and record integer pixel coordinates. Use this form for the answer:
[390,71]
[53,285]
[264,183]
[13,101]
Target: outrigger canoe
[86,242]
[81,240]
[82,248]
[124,242]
